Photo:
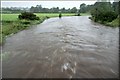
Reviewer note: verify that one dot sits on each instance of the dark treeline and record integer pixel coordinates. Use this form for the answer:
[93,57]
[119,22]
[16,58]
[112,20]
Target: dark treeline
[14,10]
[39,9]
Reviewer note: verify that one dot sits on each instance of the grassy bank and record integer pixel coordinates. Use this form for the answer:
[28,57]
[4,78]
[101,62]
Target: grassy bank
[114,23]
[12,27]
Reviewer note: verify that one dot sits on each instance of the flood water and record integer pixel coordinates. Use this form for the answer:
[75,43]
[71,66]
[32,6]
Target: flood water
[70,47]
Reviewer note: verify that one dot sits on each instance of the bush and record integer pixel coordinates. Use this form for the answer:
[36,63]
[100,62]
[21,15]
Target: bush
[103,12]
[78,14]
[110,16]
[107,16]
[28,16]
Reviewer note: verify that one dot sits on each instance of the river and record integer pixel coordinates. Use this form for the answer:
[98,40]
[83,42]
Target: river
[70,47]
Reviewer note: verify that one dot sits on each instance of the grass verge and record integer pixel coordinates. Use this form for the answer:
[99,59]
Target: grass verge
[114,23]
[10,27]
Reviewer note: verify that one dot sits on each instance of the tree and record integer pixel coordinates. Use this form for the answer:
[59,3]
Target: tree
[83,8]
[32,9]
[103,11]
[63,10]
[116,7]
[74,10]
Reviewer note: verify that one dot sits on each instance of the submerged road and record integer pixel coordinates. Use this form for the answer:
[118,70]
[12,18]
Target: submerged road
[71,47]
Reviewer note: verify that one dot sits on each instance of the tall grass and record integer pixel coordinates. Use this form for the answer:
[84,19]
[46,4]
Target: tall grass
[114,23]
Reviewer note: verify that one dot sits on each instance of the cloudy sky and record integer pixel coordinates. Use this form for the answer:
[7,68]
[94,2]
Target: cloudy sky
[47,4]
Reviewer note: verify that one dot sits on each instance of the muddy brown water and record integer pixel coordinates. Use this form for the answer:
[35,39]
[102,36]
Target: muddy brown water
[70,47]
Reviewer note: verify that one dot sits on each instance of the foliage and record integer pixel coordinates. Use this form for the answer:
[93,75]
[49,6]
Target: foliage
[38,9]
[114,23]
[85,8]
[116,7]
[11,10]
[103,12]
[28,16]
[73,10]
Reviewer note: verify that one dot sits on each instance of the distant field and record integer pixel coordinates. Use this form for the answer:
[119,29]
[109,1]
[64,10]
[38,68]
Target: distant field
[14,17]
[9,17]
[54,14]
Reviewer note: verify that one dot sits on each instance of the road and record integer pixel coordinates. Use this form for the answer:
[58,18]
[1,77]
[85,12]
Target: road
[70,47]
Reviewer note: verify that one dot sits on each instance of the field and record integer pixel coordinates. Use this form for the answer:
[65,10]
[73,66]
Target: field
[9,17]
[14,17]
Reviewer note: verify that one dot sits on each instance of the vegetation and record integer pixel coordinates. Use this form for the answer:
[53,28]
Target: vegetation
[39,9]
[85,8]
[103,12]
[114,23]
[14,25]
[28,16]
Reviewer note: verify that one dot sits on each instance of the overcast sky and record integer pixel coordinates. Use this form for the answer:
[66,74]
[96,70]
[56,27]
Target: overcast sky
[46,4]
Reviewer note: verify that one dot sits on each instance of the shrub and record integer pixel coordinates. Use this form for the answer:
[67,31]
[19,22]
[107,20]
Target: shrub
[28,16]
[103,12]
[78,14]
[107,16]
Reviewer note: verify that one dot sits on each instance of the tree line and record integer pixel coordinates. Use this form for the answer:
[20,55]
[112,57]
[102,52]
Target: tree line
[82,9]
[39,9]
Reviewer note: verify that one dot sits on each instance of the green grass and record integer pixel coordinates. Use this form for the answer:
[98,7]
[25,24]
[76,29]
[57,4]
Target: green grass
[14,17]
[9,17]
[11,25]
[114,23]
